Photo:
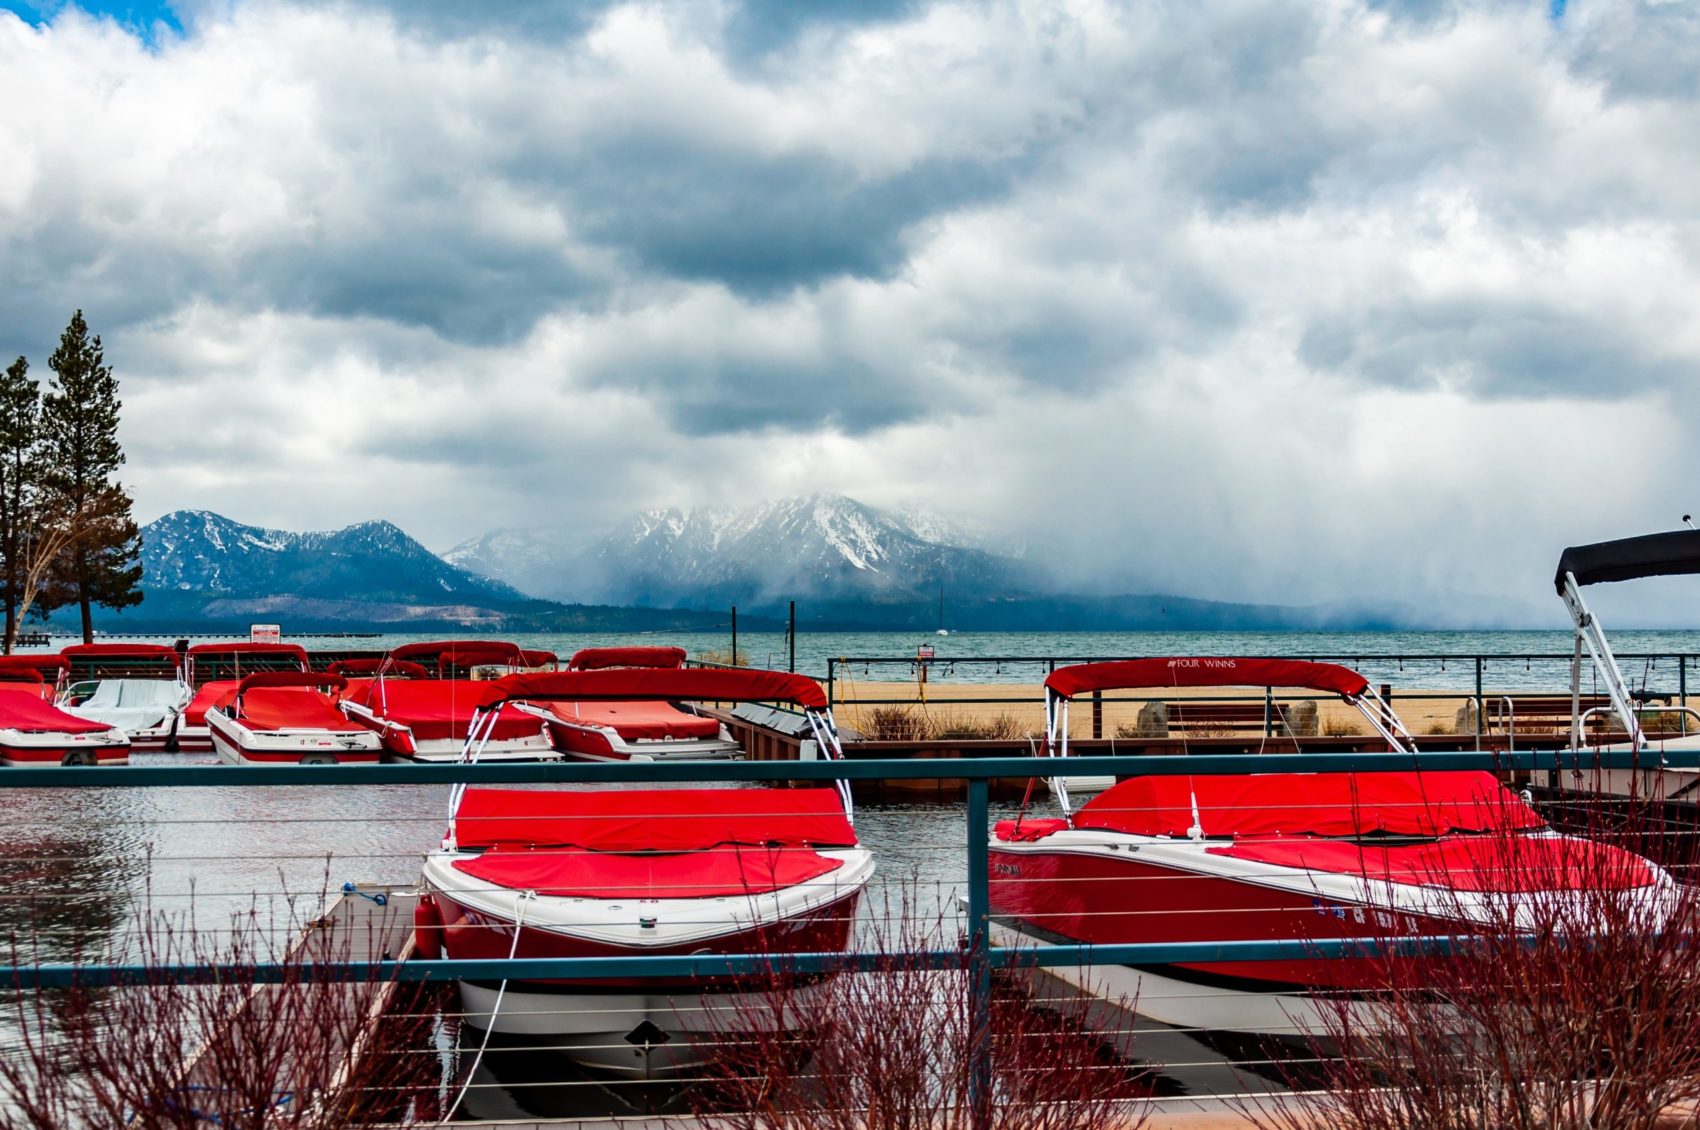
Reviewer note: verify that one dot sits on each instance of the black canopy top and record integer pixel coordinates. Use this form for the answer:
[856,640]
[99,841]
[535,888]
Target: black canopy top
[1651,555]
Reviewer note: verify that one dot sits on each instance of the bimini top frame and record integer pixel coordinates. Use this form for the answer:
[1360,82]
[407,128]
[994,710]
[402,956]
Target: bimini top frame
[1651,555]
[1212,671]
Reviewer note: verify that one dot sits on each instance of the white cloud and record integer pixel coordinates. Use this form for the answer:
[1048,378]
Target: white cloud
[1283,302]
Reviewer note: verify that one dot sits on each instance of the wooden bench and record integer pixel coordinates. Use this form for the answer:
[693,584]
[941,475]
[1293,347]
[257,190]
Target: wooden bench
[1548,716]
[1225,719]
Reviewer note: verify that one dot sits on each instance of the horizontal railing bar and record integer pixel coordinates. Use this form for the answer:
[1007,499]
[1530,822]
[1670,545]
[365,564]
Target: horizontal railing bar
[921,769]
[714,965]
[1356,656]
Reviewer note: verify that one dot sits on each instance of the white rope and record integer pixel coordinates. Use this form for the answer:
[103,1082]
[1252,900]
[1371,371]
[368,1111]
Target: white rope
[495,1011]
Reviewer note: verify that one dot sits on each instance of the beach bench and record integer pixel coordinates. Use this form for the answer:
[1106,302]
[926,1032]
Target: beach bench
[1544,717]
[1189,719]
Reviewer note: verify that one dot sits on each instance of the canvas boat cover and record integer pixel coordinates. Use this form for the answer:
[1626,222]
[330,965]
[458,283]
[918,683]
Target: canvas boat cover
[24,710]
[1651,555]
[538,657]
[246,647]
[741,685]
[638,721]
[1309,804]
[131,704]
[293,708]
[220,692]
[626,820]
[439,709]
[1204,671]
[1465,863]
[597,658]
[718,872]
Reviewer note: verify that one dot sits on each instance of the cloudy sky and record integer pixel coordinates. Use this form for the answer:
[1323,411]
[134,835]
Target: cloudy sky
[1255,299]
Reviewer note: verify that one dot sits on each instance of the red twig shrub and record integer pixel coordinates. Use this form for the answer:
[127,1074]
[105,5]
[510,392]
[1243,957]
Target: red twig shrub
[892,1050]
[230,1053]
[1573,1003]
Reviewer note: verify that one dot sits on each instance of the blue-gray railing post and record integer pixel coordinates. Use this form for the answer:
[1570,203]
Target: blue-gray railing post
[1478,702]
[831,672]
[1682,689]
[979,959]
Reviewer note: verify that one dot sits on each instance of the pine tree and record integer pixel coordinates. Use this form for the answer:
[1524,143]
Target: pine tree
[79,426]
[20,465]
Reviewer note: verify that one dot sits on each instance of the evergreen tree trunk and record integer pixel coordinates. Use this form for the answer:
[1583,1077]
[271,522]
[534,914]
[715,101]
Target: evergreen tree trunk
[20,470]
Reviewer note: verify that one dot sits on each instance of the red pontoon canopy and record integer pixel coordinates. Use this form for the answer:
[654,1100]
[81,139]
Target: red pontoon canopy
[293,708]
[625,820]
[122,656]
[1309,804]
[24,710]
[719,872]
[248,647]
[119,651]
[463,653]
[596,658]
[38,665]
[438,709]
[1205,671]
[635,683]
[638,721]
[538,657]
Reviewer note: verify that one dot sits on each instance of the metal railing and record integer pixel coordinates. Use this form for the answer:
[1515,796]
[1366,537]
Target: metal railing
[981,957]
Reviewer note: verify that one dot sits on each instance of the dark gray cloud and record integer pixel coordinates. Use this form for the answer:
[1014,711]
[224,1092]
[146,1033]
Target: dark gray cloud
[764,226]
[1493,348]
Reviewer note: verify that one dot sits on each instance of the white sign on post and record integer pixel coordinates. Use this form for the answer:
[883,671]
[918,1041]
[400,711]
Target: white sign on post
[264,633]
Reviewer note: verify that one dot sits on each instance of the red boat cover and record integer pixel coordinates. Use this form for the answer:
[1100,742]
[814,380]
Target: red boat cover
[634,683]
[1309,804]
[577,873]
[463,653]
[24,710]
[596,658]
[436,709]
[1205,671]
[538,658]
[219,692]
[294,708]
[1475,863]
[652,819]
[245,647]
[638,721]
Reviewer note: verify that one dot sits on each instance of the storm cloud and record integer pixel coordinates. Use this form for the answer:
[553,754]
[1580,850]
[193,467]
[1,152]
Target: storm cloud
[1266,301]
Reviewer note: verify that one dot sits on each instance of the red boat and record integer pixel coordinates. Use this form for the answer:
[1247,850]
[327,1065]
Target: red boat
[1302,856]
[634,731]
[215,670]
[284,717]
[34,732]
[452,658]
[431,720]
[653,871]
[139,688]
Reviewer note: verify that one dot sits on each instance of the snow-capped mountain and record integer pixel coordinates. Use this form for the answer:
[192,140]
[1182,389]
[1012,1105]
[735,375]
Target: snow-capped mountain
[199,552]
[822,547]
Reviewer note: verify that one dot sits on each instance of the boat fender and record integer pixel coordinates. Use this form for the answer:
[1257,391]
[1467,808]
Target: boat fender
[427,928]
